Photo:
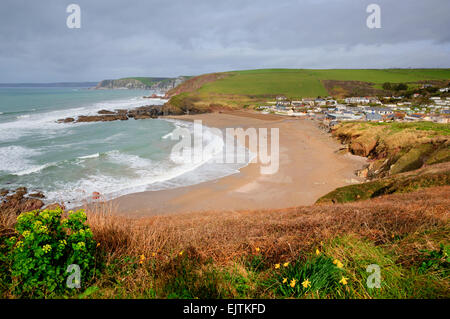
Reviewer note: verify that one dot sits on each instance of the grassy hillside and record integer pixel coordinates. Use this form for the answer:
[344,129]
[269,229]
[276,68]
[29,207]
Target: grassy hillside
[428,176]
[238,88]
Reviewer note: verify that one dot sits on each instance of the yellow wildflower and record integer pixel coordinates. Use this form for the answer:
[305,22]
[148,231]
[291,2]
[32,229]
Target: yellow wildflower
[257,249]
[277,266]
[306,283]
[284,280]
[343,280]
[47,248]
[98,244]
[181,253]
[293,282]
[338,263]
[317,252]
[286,264]
[153,254]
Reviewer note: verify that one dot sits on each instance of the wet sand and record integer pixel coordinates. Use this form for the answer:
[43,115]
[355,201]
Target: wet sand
[310,167]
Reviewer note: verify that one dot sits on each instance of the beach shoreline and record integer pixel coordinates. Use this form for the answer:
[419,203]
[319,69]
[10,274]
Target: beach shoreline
[310,167]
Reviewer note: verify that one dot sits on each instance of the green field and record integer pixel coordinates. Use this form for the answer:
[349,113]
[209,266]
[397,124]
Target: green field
[267,82]
[307,83]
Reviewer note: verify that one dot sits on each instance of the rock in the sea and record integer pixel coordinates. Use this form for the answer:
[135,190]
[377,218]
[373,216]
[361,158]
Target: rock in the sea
[102,118]
[143,112]
[69,120]
[141,116]
[37,195]
[22,190]
[106,112]
[19,194]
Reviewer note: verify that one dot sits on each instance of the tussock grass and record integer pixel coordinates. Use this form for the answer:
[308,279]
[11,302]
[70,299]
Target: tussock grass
[428,176]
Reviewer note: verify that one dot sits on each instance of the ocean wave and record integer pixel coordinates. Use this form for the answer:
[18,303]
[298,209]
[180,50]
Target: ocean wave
[16,159]
[30,124]
[89,156]
[33,169]
[150,174]
[129,160]
[138,174]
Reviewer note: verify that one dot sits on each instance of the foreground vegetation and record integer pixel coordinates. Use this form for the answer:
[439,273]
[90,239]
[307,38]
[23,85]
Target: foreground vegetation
[306,252]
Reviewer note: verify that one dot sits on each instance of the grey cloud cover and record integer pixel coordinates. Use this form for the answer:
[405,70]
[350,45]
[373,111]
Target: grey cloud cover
[188,37]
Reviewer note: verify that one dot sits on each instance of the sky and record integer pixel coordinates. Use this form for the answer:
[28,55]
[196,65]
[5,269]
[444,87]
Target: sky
[168,38]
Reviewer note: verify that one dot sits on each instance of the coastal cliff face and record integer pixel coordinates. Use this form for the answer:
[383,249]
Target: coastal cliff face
[394,148]
[121,84]
[403,157]
[157,84]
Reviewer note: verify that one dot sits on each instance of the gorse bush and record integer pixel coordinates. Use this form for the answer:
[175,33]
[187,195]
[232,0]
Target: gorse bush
[47,242]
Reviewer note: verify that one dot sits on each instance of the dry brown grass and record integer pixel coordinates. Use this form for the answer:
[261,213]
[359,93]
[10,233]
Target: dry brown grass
[279,234]
[7,221]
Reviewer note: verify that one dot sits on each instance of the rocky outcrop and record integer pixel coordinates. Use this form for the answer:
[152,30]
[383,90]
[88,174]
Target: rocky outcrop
[390,150]
[143,112]
[101,118]
[362,149]
[106,112]
[18,201]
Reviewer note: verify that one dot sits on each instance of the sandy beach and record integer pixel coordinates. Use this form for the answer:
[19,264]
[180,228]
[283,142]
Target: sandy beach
[310,166]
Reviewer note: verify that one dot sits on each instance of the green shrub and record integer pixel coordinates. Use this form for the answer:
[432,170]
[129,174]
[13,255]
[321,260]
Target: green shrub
[437,260]
[45,245]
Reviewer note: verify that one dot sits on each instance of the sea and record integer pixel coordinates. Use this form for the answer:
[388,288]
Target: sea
[69,162]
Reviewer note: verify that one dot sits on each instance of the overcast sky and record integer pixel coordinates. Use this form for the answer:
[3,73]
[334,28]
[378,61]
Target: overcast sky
[190,37]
